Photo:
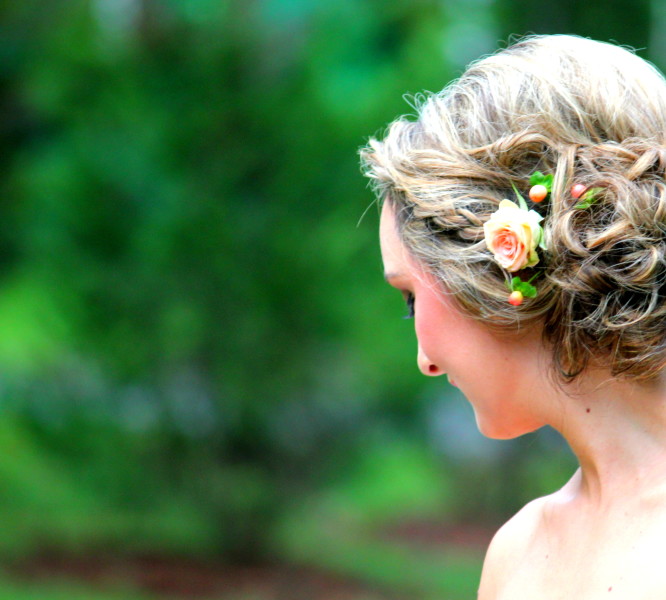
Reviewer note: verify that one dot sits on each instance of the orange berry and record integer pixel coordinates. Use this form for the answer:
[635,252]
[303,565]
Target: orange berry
[578,190]
[516,298]
[538,193]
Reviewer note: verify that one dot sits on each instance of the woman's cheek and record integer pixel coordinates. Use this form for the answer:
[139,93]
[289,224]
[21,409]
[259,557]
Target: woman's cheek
[431,330]
[423,334]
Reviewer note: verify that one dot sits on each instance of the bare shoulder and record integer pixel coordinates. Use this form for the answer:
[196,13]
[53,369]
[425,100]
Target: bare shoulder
[542,550]
[510,545]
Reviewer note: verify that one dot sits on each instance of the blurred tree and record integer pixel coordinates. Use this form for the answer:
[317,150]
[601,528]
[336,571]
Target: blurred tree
[621,22]
[182,257]
[191,320]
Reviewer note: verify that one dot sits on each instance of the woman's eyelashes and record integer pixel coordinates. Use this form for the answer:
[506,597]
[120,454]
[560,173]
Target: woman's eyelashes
[409,300]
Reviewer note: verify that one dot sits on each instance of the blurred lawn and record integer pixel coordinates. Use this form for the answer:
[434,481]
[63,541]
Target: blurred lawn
[406,571]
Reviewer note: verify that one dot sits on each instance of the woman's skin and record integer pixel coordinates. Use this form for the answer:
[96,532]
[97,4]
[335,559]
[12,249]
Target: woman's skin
[603,535]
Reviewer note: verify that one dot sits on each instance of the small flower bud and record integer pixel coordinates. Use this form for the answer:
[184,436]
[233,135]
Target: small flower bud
[538,193]
[516,298]
[578,190]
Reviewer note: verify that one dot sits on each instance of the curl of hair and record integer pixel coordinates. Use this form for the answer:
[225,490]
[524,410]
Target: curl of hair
[585,111]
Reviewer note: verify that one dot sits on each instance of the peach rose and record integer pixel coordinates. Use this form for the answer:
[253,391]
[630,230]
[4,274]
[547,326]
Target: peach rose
[512,235]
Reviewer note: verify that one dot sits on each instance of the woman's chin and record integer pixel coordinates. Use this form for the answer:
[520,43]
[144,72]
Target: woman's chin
[501,431]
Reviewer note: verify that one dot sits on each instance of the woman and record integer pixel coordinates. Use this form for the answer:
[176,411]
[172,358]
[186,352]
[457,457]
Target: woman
[524,221]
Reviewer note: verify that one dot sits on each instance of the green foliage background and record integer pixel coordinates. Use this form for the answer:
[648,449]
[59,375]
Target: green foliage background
[197,352]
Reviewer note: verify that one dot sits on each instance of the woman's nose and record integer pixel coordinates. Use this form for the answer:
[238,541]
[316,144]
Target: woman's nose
[426,366]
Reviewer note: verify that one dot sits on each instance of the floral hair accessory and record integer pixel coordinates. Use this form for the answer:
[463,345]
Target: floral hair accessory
[577,190]
[587,197]
[513,233]
[521,289]
[541,184]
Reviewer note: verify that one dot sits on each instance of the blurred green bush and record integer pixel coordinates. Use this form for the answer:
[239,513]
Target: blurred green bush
[194,337]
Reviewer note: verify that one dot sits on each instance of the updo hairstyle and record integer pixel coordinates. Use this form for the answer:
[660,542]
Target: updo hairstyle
[589,113]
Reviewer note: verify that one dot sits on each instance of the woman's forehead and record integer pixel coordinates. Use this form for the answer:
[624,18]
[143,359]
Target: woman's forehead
[393,250]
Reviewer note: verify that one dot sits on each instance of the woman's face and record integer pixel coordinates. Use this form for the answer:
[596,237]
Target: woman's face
[498,376]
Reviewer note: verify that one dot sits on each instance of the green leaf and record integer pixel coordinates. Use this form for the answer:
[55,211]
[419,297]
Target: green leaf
[589,198]
[527,290]
[524,287]
[521,200]
[538,178]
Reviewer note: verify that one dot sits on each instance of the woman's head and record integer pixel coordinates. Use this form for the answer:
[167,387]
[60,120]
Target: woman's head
[588,113]
[500,376]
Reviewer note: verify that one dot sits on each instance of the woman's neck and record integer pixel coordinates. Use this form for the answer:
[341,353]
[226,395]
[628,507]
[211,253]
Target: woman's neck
[617,430]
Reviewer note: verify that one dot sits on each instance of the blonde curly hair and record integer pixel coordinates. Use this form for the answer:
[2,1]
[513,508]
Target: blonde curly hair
[588,112]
